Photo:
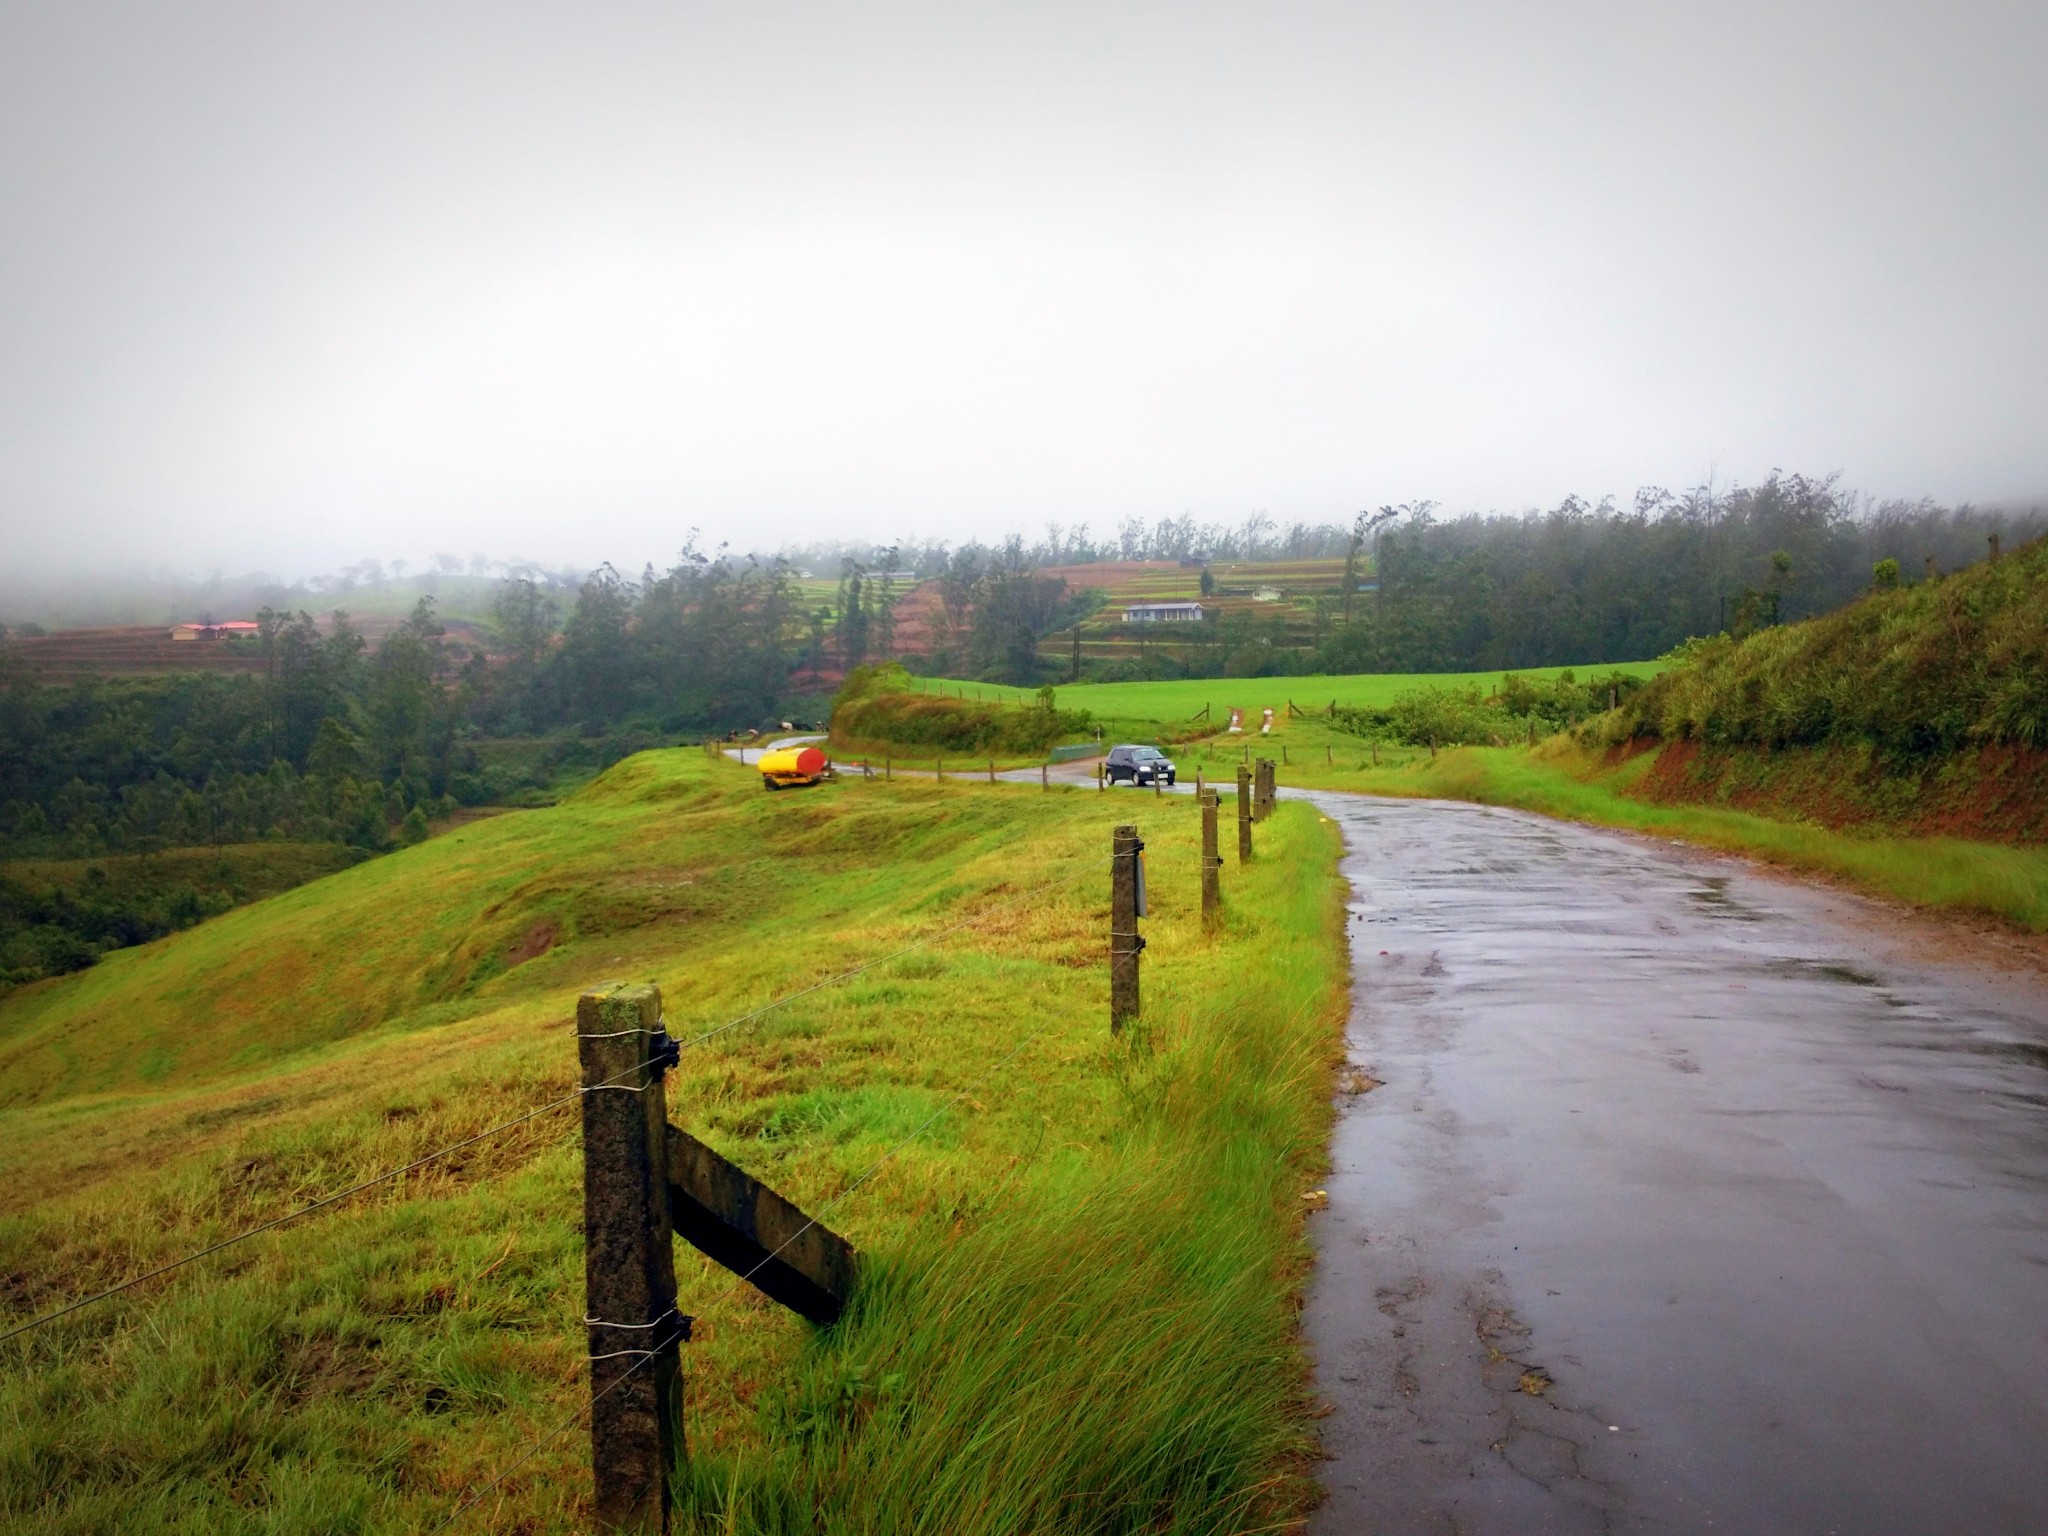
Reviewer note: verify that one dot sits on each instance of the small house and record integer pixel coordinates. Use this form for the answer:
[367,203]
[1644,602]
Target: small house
[1163,613]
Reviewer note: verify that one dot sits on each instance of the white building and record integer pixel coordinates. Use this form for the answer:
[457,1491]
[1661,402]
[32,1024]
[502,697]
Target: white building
[1163,613]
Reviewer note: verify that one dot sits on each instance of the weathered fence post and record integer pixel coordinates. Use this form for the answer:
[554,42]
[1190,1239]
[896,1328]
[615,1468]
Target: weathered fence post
[1262,788]
[1126,906]
[888,767]
[1244,815]
[1212,860]
[939,770]
[1044,776]
[991,770]
[629,1273]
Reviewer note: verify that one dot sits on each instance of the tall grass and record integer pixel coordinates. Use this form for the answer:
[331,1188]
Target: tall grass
[1075,1311]
[1056,1366]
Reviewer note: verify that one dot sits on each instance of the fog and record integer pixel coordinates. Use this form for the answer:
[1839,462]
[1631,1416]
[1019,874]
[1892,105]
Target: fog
[284,286]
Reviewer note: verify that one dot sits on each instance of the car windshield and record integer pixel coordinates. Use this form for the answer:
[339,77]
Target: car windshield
[1148,754]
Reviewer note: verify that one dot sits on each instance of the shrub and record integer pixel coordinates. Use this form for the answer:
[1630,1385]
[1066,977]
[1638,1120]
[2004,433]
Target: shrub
[1912,671]
[879,705]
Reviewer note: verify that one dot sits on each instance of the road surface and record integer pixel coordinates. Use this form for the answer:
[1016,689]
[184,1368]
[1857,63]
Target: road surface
[1687,1202]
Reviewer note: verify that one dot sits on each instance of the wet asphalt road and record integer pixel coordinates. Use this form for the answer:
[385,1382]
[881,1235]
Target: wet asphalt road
[1688,1202]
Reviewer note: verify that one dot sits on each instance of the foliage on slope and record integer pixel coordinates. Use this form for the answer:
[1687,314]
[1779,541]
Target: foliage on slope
[62,915]
[881,706]
[1933,667]
[1450,715]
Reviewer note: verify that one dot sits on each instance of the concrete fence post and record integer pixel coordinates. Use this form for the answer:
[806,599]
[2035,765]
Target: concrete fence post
[629,1276]
[1126,906]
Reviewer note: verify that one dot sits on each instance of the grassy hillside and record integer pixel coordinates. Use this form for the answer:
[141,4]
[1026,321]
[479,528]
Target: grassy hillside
[1076,1308]
[1922,709]
[1936,666]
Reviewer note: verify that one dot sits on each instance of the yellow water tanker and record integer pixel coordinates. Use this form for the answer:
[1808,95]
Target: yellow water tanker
[788,766]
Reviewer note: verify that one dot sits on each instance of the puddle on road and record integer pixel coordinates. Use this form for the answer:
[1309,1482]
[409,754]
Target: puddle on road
[1823,970]
[2029,1052]
[1713,895]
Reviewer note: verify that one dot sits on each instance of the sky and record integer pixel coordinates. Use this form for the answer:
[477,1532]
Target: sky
[286,285]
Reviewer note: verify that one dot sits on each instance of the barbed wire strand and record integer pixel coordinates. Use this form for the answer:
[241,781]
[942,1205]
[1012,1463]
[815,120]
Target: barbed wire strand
[547,1439]
[497,1130]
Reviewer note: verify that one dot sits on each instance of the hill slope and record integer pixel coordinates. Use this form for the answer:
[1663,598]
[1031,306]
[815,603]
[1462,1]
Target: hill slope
[1922,709]
[1076,1312]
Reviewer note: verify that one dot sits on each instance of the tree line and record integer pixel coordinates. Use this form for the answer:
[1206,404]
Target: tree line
[1589,584]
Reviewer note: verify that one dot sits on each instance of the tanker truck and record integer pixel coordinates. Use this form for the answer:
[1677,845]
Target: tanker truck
[787,767]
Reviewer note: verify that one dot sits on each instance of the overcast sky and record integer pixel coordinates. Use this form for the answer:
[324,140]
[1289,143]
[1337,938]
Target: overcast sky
[284,285]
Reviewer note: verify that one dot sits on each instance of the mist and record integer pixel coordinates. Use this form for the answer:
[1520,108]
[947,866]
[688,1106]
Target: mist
[282,288]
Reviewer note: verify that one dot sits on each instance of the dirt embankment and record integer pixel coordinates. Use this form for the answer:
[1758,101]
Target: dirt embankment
[1996,794]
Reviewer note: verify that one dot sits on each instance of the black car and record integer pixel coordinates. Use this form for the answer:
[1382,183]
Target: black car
[1138,765]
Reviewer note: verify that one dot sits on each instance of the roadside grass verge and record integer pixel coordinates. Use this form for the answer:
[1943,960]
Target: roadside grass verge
[1077,1308]
[1561,779]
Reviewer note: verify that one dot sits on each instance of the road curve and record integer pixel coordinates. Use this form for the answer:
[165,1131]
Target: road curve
[1687,1203]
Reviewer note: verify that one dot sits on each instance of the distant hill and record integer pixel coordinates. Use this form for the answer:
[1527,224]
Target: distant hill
[144,649]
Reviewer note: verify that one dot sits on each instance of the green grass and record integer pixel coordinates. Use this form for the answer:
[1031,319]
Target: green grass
[1560,779]
[1077,1310]
[1173,703]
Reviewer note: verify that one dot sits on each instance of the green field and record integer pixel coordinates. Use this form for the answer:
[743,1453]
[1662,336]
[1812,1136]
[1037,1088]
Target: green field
[1077,1310]
[1178,701]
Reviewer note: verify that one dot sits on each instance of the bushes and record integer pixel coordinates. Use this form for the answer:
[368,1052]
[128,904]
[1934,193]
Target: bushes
[1914,672]
[877,705]
[1447,717]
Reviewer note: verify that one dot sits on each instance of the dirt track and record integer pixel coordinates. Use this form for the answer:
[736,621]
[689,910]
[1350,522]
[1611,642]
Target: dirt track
[1691,1200]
